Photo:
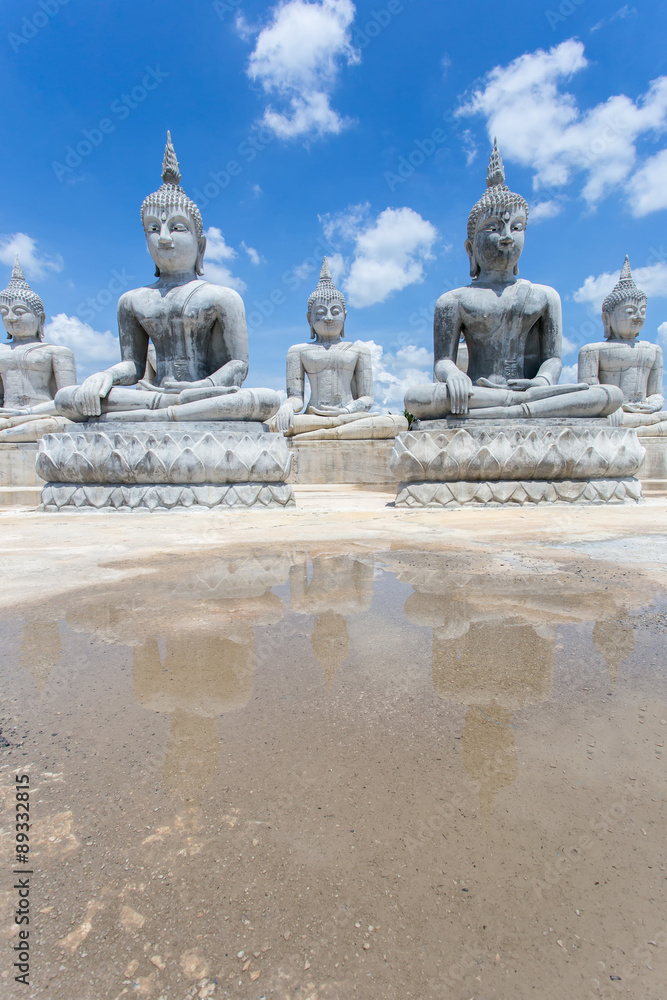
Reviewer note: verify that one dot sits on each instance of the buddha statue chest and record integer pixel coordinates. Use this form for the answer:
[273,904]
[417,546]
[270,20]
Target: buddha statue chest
[27,374]
[499,331]
[627,365]
[181,326]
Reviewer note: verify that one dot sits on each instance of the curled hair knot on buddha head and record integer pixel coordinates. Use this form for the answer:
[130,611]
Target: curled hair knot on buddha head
[172,196]
[327,292]
[497,199]
[19,290]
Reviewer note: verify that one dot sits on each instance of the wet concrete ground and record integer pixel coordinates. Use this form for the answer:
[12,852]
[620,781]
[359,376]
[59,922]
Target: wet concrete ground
[363,753]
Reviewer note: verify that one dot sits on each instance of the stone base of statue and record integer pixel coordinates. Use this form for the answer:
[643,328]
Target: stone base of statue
[358,463]
[20,486]
[653,470]
[459,461]
[143,466]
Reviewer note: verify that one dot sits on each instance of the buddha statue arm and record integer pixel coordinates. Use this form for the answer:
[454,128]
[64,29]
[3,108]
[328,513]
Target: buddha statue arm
[447,330]
[654,396]
[589,365]
[362,382]
[295,380]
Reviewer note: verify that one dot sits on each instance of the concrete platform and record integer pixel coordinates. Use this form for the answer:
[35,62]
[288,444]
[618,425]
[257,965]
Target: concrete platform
[353,462]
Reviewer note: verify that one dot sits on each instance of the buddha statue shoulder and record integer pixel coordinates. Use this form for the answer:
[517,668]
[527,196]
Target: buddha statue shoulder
[340,376]
[32,371]
[198,330]
[512,329]
[622,360]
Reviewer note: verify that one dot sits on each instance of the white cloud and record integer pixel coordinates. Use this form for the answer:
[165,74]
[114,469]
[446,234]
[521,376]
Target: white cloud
[651,279]
[569,375]
[647,191]
[662,336]
[393,374]
[35,265]
[94,351]
[626,11]
[297,57]
[217,253]
[545,210]
[541,126]
[252,253]
[389,252]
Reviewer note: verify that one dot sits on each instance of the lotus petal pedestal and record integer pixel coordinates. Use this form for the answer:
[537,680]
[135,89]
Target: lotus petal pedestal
[458,461]
[103,465]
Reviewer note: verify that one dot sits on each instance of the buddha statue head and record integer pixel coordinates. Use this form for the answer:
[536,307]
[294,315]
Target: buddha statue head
[326,308]
[624,309]
[173,223]
[496,224]
[22,309]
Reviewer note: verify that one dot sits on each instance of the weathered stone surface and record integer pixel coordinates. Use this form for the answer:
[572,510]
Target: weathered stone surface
[31,370]
[162,497]
[634,366]
[466,450]
[358,462]
[512,330]
[143,454]
[500,493]
[340,374]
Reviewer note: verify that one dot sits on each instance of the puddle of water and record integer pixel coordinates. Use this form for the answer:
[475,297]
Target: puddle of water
[321,775]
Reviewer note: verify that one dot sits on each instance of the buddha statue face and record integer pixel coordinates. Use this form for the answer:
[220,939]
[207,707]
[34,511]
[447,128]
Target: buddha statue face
[625,320]
[498,241]
[327,319]
[173,242]
[20,321]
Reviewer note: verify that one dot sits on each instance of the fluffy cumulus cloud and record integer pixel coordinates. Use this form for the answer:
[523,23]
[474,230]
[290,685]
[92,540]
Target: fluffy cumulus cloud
[647,190]
[35,264]
[389,252]
[652,279]
[216,260]
[393,374]
[545,210]
[297,59]
[540,125]
[93,350]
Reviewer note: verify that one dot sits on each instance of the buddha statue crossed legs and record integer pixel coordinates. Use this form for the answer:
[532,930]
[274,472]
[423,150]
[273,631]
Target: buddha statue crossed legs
[198,330]
[512,329]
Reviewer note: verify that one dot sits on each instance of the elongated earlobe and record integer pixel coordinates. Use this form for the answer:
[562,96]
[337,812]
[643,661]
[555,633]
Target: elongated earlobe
[474,266]
[201,246]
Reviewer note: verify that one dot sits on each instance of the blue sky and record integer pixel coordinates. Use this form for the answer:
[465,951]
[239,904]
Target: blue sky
[360,129]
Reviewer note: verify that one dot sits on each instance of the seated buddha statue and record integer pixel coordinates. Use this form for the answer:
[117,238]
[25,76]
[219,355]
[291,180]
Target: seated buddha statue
[512,329]
[198,330]
[635,366]
[31,370]
[340,376]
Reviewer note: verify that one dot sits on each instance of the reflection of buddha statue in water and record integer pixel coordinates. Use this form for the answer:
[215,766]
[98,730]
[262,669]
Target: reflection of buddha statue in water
[193,646]
[340,586]
[615,640]
[41,650]
[31,370]
[512,329]
[495,667]
[198,329]
[635,366]
[340,376]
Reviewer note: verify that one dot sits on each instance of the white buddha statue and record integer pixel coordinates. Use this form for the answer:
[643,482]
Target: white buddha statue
[340,376]
[512,329]
[198,330]
[31,370]
[621,359]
